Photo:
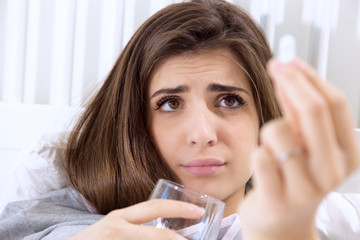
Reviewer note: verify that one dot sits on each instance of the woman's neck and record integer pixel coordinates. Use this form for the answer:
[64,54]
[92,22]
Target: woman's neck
[233,202]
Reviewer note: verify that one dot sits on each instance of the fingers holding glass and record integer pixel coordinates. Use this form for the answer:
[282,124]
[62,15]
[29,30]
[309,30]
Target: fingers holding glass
[126,223]
[149,210]
[212,210]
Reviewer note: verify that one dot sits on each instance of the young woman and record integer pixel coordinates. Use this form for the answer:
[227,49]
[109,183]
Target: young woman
[186,101]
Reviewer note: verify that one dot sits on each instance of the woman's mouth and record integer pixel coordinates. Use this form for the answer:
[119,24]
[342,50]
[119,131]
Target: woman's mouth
[202,167]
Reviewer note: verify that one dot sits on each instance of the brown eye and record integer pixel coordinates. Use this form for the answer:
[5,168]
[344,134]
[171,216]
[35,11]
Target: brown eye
[169,104]
[229,101]
[174,104]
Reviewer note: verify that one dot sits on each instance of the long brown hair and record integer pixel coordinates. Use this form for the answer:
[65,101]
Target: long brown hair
[111,158]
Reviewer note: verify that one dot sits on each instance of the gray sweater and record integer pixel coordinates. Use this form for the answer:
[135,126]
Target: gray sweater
[62,214]
[57,215]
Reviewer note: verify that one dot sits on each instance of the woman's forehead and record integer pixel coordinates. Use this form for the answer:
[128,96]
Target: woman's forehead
[219,66]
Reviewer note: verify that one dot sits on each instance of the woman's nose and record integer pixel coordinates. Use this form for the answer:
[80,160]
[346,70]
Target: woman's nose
[202,129]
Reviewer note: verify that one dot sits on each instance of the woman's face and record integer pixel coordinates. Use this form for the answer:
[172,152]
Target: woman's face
[204,121]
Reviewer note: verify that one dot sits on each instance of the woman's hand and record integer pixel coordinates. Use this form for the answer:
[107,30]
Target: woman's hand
[126,223]
[302,157]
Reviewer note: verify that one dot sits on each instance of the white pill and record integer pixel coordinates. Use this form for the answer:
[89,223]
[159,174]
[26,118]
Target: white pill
[287,48]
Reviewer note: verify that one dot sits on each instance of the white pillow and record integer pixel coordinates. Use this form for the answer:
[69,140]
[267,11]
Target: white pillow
[40,170]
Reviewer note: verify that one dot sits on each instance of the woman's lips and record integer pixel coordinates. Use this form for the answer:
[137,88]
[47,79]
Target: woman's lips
[202,167]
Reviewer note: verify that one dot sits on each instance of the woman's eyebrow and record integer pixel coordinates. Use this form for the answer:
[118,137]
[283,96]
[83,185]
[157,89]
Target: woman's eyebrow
[179,89]
[224,88]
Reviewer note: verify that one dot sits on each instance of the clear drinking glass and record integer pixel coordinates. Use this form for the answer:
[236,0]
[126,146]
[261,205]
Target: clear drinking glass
[205,228]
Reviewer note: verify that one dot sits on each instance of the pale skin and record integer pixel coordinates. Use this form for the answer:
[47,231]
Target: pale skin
[316,117]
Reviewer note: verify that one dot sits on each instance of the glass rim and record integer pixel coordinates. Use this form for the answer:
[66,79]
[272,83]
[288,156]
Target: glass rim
[191,191]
